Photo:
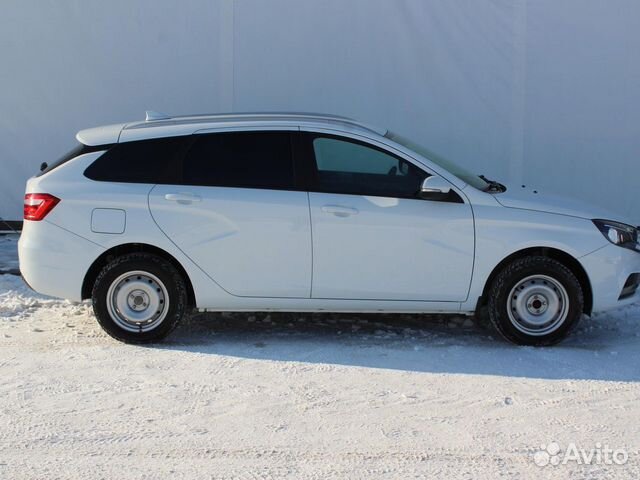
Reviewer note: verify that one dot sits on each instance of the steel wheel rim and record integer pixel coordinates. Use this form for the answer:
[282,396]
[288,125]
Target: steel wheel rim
[538,305]
[137,301]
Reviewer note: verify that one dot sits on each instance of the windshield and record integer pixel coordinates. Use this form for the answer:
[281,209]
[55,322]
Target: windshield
[458,171]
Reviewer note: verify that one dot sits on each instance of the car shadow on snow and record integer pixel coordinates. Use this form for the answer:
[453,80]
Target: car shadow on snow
[605,347]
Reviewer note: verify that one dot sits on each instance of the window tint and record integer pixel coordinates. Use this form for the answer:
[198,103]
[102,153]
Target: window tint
[241,159]
[145,161]
[350,167]
[70,155]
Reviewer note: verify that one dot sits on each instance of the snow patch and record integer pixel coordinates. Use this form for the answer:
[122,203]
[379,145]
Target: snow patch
[306,395]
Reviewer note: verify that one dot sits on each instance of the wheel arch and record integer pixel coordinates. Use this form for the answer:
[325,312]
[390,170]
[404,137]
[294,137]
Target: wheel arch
[107,256]
[563,257]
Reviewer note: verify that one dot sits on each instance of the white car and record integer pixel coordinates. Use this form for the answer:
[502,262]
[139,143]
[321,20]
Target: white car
[309,212]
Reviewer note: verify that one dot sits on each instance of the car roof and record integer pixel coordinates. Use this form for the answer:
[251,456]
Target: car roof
[160,125]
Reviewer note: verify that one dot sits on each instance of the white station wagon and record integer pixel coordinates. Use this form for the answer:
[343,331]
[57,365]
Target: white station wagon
[309,212]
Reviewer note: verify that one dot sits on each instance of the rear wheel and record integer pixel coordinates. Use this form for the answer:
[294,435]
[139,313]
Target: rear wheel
[535,301]
[139,298]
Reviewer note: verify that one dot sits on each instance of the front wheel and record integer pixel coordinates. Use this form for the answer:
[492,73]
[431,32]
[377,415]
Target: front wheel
[139,298]
[535,301]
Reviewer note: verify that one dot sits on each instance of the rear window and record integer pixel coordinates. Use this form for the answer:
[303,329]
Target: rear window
[144,161]
[76,151]
[241,160]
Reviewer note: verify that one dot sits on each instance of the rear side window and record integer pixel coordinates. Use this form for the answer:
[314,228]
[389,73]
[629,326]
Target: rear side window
[144,161]
[76,151]
[241,160]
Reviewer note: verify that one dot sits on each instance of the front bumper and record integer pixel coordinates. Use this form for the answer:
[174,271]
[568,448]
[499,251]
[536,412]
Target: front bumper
[608,269]
[54,261]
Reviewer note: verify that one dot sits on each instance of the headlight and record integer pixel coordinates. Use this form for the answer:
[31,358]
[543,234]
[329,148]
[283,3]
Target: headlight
[619,234]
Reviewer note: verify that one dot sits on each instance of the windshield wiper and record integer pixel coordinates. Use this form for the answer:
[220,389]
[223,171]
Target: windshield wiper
[493,186]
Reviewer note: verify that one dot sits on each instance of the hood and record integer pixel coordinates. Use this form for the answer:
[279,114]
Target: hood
[527,198]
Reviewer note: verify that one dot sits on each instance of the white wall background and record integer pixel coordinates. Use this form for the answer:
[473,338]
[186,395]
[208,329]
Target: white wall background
[543,92]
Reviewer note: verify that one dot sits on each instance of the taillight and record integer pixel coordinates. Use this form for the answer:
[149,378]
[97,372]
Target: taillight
[38,205]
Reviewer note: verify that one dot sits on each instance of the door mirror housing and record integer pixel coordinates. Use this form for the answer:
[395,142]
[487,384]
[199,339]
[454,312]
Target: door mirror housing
[434,187]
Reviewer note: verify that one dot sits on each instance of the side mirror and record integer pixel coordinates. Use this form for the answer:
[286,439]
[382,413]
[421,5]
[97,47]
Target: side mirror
[434,187]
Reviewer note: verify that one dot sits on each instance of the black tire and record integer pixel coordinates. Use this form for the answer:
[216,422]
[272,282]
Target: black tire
[168,279]
[537,268]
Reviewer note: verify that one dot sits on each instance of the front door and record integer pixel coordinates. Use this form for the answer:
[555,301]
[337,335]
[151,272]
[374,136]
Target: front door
[373,238]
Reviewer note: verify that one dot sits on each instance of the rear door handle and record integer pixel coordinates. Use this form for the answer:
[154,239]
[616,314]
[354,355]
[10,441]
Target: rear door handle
[339,210]
[183,198]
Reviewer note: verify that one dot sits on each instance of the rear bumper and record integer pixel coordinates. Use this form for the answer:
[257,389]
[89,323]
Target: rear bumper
[54,261]
[609,269]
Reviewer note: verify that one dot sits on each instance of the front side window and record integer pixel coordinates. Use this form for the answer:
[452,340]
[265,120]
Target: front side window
[351,167]
[241,160]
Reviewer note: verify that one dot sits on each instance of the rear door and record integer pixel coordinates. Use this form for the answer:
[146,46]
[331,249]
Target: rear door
[237,212]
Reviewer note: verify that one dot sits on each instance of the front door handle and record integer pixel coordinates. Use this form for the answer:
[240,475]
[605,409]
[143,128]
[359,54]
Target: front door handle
[339,210]
[183,198]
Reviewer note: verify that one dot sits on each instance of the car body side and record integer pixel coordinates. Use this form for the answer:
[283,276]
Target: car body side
[500,233]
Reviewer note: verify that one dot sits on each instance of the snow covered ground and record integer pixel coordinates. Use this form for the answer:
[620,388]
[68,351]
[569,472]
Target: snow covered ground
[308,396]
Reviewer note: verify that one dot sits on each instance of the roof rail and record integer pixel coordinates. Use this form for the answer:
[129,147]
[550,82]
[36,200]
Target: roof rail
[151,115]
[161,118]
